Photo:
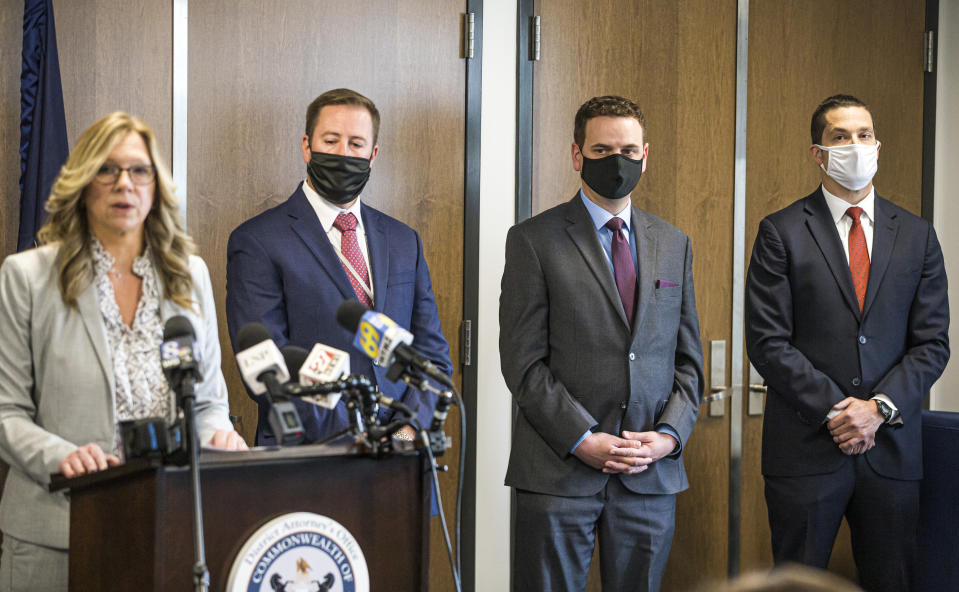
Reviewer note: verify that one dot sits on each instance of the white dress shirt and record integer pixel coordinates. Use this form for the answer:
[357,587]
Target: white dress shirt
[327,213]
[838,206]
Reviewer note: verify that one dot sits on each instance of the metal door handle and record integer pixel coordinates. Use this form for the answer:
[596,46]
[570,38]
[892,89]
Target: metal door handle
[718,391]
[757,392]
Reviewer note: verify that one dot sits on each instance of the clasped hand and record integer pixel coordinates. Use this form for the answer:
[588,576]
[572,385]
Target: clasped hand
[90,458]
[633,453]
[854,429]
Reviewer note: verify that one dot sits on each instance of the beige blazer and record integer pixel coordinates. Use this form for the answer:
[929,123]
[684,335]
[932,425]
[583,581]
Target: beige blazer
[57,385]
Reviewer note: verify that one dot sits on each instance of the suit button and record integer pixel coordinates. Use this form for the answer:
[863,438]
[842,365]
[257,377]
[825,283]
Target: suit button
[856,381]
[862,339]
[632,356]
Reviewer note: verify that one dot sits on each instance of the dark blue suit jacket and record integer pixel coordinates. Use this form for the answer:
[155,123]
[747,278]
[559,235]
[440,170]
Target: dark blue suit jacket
[283,271]
[806,336]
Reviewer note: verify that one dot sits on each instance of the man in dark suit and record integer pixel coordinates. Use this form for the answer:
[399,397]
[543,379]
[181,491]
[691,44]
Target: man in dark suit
[599,344]
[293,265]
[847,319]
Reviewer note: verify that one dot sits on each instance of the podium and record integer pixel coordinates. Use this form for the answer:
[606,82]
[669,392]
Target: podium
[131,529]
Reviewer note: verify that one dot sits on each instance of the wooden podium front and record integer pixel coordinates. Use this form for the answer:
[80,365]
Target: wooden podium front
[131,526]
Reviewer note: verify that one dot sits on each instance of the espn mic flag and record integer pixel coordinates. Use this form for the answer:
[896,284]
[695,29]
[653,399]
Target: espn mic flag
[43,125]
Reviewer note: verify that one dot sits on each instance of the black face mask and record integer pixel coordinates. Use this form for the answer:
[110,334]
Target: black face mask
[612,176]
[338,179]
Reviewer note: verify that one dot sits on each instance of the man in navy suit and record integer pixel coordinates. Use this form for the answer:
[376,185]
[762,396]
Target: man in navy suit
[293,265]
[847,319]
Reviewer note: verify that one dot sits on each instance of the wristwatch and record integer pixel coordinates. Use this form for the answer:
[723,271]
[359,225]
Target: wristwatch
[884,409]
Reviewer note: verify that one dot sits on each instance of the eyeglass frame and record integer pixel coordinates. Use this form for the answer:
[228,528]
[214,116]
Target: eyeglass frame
[120,170]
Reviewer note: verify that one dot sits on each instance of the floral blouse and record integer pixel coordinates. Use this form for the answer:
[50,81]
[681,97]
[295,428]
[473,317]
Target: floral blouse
[141,388]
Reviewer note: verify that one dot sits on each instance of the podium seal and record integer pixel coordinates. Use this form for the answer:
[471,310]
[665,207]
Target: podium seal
[300,552]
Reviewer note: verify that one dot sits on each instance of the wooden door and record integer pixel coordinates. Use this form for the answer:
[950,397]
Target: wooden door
[254,68]
[799,54]
[678,61]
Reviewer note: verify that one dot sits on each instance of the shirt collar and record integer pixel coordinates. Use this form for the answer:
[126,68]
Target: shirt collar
[327,212]
[103,261]
[838,206]
[601,216]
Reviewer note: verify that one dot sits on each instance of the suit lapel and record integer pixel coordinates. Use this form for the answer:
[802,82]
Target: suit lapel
[885,230]
[89,309]
[307,226]
[379,255]
[583,234]
[823,229]
[645,261]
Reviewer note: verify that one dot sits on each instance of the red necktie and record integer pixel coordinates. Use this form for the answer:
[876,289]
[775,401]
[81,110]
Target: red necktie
[623,268]
[350,247]
[858,256]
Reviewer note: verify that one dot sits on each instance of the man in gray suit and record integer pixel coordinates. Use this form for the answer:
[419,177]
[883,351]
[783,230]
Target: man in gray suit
[599,343]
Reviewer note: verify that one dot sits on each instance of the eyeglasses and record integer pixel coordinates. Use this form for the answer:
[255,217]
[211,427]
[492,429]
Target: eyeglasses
[140,174]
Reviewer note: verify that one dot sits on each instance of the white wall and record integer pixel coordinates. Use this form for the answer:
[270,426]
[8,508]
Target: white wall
[497,198]
[945,394]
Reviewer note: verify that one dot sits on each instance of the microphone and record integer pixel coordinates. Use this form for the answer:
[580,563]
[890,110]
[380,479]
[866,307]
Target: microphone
[441,411]
[261,363]
[264,370]
[324,364]
[293,357]
[177,352]
[385,342]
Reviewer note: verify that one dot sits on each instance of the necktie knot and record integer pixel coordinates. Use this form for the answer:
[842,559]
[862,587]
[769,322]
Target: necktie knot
[854,213]
[615,224]
[345,222]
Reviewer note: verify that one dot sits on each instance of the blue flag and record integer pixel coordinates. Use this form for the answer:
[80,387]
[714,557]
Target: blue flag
[43,126]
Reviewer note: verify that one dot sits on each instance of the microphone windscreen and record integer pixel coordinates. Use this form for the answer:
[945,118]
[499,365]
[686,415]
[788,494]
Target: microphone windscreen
[251,334]
[349,313]
[294,356]
[178,326]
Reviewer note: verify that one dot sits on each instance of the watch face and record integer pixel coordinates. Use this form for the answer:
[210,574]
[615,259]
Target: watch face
[884,409]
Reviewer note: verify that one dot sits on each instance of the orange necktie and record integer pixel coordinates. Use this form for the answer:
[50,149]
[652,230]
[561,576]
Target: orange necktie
[858,256]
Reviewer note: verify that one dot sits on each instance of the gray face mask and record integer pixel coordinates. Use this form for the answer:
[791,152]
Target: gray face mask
[338,179]
[852,165]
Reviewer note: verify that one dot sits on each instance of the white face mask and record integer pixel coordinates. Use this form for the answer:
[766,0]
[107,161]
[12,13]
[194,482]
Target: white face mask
[852,165]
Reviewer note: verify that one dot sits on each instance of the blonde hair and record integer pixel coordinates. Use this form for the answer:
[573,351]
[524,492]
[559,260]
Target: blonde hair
[67,222]
[788,577]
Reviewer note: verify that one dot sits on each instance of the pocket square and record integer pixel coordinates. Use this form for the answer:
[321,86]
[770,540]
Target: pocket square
[665,284]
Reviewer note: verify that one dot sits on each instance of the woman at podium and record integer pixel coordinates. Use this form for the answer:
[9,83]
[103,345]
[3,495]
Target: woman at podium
[82,320]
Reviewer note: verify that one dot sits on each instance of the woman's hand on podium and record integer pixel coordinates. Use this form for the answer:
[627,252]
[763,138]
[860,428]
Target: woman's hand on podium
[227,440]
[88,458]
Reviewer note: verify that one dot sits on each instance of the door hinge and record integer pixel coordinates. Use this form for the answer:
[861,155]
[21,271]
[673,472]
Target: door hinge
[534,38]
[466,343]
[469,30]
[928,62]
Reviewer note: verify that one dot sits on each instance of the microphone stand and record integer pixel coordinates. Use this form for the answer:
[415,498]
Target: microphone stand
[435,435]
[187,399]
